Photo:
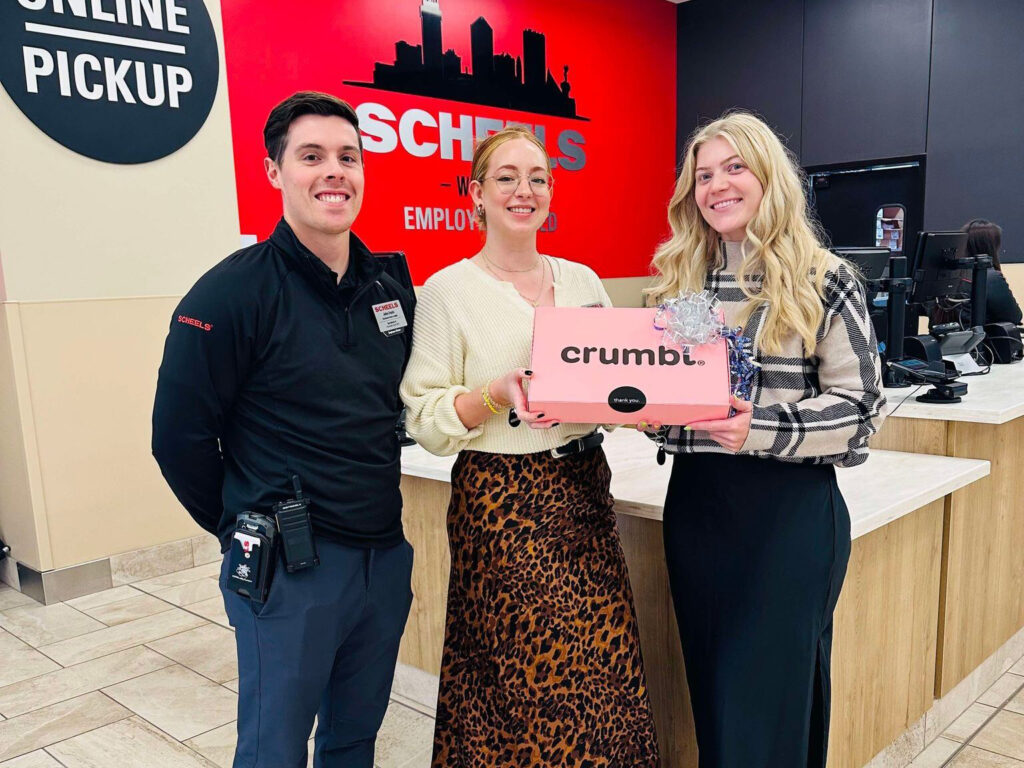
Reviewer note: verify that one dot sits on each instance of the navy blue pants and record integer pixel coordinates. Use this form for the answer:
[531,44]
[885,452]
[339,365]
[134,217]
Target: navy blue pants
[324,644]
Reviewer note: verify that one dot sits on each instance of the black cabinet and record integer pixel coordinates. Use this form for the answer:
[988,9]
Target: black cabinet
[976,118]
[740,54]
[848,82]
[865,79]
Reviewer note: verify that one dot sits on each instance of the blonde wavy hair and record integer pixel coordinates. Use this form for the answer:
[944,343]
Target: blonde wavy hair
[783,243]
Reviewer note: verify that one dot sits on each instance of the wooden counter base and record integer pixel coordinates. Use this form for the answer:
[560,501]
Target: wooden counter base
[983,581]
[424,517]
[884,644]
[885,634]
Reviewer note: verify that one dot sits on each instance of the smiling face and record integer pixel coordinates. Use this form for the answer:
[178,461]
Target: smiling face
[726,191]
[320,176]
[522,209]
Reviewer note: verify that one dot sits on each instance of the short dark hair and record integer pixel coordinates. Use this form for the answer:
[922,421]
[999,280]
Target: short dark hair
[275,132]
[984,237]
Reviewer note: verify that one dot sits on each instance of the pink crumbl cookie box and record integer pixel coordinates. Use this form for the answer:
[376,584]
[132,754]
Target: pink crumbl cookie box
[608,366]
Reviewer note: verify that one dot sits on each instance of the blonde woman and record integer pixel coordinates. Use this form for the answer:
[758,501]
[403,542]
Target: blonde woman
[757,535]
[541,663]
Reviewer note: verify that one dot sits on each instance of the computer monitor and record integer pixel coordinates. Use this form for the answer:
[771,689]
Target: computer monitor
[397,267]
[873,266]
[940,269]
[872,263]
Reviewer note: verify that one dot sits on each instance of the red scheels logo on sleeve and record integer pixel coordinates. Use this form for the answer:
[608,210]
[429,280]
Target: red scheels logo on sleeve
[197,323]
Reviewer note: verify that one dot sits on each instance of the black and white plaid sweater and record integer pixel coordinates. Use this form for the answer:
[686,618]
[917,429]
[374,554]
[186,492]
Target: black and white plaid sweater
[815,410]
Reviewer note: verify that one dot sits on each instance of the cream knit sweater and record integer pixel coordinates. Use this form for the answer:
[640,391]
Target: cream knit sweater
[469,329]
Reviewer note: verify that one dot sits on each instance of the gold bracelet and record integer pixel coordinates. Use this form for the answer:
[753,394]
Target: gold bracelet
[492,406]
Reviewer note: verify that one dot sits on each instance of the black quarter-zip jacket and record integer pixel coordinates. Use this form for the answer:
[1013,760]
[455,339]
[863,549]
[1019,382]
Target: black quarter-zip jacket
[273,368]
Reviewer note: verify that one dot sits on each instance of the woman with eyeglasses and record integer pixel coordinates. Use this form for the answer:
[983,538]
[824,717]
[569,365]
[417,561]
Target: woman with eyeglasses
[541,663]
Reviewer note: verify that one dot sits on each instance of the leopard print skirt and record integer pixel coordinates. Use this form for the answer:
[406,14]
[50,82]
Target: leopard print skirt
[542,663]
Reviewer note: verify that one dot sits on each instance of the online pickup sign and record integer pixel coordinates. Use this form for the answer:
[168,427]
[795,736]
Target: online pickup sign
[123,81]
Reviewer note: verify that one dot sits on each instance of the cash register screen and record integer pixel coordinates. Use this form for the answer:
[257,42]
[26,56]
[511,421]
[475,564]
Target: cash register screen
[935,274]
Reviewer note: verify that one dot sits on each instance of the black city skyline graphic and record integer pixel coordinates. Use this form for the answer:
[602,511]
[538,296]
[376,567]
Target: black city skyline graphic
[497,80]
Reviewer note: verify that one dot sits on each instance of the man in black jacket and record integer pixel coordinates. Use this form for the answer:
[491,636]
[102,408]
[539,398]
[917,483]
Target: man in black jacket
[281,369]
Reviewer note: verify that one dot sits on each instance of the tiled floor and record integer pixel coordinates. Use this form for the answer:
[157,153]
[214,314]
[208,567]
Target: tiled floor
[144,675]
[990,734]
[140,676]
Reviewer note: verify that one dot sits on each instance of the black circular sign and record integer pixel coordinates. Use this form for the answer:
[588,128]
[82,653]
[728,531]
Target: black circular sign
[627,399]
[123,81]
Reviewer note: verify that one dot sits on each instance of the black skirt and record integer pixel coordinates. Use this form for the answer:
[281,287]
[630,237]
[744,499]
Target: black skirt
[757,551]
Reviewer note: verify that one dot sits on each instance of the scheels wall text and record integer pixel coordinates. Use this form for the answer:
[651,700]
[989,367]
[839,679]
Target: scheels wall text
[421,134]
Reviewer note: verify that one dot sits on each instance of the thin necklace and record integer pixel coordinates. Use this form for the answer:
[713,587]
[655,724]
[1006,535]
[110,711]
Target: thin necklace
[483,252]
[535,301]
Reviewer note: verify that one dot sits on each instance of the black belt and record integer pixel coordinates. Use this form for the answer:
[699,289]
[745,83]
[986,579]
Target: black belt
[579,445]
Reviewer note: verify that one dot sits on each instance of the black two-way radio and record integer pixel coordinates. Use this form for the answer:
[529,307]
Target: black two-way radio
[296,531]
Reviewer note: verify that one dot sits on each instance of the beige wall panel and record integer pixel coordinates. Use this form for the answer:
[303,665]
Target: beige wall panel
[884,645]
[983,602]
[626,291]
[73,227]
[22,522]
[92,368]
[1014,274]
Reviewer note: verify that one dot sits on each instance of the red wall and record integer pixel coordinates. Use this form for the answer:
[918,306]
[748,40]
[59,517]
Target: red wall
[610,213]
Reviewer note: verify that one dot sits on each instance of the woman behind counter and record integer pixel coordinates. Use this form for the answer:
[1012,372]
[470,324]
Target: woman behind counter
[984,237]
[757,535]
[541,663]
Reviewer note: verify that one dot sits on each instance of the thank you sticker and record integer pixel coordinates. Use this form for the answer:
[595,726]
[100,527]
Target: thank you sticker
[123,81]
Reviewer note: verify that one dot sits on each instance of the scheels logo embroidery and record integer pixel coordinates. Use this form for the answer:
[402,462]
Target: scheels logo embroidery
[639,356]
[197,323]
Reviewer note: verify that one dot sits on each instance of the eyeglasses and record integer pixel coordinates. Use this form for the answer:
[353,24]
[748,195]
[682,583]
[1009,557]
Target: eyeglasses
[540,183]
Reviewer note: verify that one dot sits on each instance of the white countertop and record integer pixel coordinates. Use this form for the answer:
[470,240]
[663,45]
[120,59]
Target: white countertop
[995,398]
[889,485]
